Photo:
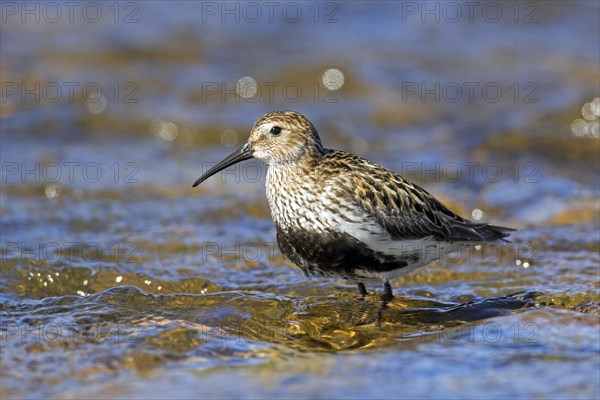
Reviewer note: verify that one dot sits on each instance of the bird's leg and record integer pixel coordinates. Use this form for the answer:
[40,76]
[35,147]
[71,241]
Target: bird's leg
[362,289]
[387,292]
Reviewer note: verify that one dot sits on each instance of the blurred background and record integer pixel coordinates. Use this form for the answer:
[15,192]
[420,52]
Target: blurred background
[120,280]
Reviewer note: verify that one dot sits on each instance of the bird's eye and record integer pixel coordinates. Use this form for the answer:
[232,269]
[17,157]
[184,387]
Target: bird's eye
[276,130]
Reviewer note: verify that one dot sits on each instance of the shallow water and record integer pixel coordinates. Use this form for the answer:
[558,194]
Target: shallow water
[120,280]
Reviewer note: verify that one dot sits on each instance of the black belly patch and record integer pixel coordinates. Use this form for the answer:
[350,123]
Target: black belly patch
[337,254]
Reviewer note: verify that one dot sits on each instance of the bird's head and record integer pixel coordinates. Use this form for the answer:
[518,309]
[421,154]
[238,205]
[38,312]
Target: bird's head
[278,137]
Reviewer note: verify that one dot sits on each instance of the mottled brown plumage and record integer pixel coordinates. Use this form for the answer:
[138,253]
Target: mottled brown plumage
[340,215]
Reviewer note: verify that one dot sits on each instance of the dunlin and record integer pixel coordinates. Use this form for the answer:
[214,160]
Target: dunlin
[337,214]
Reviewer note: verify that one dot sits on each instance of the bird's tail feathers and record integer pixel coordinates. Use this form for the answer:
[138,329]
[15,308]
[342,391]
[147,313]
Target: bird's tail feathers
[480,232]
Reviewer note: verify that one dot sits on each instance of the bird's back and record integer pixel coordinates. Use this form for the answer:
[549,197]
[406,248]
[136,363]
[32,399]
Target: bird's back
[403,209]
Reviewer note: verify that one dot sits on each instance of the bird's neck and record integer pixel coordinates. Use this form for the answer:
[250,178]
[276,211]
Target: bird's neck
[307,158]
[288,173]
[290,187]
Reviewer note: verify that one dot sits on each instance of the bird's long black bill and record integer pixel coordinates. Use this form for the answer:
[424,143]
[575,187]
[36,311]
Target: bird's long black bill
[241,154]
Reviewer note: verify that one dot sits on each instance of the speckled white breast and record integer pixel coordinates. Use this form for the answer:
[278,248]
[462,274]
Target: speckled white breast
[294,199]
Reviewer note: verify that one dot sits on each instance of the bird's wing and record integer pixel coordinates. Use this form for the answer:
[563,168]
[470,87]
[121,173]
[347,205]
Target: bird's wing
[404,210]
